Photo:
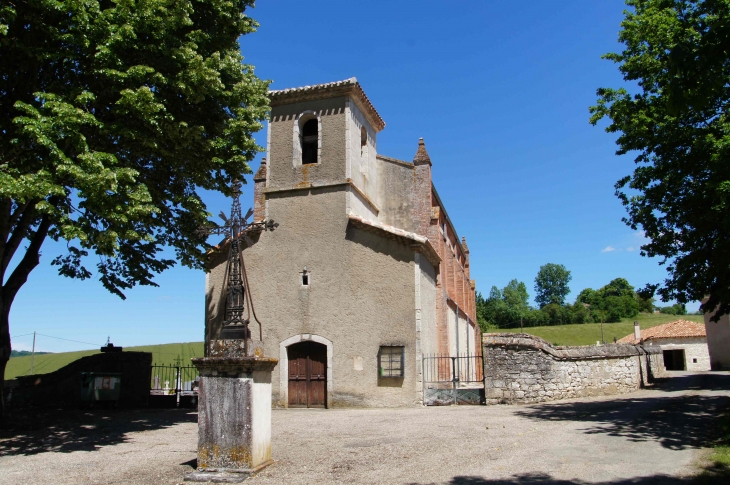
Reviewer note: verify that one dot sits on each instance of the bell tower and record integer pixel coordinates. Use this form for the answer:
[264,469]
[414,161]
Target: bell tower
[321,136]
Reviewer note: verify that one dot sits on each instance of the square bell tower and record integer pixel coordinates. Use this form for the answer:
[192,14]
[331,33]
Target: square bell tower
[320,136]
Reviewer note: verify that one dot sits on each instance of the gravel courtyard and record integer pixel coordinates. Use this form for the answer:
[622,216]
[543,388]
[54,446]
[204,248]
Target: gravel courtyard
[649,437]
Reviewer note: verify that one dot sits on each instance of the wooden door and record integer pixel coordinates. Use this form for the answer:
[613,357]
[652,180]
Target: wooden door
[307,375]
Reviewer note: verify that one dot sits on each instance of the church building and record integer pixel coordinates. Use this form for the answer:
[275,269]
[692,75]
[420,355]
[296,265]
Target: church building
[365,274]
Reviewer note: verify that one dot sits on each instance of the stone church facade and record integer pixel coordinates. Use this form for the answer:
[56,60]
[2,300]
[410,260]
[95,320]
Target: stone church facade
[365,273]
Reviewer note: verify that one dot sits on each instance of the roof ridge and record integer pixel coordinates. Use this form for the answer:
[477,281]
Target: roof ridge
[674,329]
[350,80]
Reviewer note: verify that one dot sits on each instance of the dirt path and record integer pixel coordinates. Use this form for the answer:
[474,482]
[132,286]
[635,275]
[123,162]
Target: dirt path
[643,438]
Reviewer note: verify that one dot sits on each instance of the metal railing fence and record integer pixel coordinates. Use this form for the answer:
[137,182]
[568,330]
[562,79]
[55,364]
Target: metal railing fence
[174,380]
[453,379]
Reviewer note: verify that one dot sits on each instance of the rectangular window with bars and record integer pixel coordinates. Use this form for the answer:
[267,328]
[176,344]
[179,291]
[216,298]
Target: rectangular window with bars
[391,360]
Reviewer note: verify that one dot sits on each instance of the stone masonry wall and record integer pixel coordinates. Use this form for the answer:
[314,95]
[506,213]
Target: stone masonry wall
[520,368]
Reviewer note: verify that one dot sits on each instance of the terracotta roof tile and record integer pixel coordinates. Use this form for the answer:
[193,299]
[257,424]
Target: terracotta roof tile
[676,329]
[338,88]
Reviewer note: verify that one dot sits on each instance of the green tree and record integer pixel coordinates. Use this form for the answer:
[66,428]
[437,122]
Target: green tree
[646,304]
[617,287]
[676,309]
[515,296]
[579,313]
[551,284]
[617,300]
[482,319]
[490,309]
[516,305]
[589,296]
[504,308]
[677,53]
[114,115]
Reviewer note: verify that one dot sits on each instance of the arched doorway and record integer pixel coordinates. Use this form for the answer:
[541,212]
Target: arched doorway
[307,375]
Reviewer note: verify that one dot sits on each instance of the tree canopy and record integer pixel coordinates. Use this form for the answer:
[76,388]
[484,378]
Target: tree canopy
[677,54]
[551,284]
[114,116]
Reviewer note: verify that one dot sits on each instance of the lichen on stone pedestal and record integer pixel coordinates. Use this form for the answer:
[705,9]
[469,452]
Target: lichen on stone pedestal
[234,411]
[236,348]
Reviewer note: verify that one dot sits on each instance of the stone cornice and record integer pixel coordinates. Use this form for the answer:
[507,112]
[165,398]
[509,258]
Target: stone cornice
[234,365]
[395,161]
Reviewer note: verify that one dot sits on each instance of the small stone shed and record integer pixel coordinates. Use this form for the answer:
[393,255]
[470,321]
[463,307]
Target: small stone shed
[683,344]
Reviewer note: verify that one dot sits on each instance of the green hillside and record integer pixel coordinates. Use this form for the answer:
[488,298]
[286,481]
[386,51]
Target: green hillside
[590,333]
[163,354]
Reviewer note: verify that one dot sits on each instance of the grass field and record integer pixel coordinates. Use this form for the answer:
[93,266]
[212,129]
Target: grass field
[164,354]
[590,333]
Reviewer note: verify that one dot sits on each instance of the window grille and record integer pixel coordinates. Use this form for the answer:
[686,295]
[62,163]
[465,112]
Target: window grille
[391,360]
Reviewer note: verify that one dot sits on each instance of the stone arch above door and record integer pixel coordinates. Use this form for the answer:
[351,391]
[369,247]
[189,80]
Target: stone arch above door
[284,365]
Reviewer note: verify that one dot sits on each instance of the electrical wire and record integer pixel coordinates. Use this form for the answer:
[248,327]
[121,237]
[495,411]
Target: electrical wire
[24,335]
[69,340]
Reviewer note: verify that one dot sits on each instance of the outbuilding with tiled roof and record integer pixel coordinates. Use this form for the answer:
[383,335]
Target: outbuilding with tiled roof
[683,343]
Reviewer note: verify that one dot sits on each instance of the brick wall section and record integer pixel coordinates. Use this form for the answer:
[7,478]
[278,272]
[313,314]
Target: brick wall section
[259,198]
[453,281]
[520,368]
[422,192]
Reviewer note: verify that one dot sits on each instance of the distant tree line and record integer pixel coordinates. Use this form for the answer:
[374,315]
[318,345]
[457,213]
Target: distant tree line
[23,353]
[510,308]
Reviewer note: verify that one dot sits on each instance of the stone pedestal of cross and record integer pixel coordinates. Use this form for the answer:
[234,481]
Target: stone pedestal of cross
[234,393]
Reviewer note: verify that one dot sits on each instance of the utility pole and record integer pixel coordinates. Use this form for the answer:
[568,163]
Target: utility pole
[32,355]
[521,325]
[603,341]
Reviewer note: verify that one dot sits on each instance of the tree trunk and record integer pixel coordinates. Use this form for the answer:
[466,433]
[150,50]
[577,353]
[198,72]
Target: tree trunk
[7,294]
[4,353]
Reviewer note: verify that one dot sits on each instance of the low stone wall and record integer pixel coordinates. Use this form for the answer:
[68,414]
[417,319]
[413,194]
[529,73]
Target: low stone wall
[520,368]
[63,387]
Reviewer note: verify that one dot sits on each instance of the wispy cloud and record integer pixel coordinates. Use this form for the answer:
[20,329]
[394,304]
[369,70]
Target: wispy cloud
[608,249]
[641,236]
[630,248]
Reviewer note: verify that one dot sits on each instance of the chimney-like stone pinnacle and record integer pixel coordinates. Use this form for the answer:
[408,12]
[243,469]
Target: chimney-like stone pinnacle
[260,175]
[421,157]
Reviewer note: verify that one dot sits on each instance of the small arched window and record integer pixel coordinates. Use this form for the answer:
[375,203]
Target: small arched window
[309,141]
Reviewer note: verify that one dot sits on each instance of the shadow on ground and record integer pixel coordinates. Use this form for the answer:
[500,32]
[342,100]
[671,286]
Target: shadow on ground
[712,476]
[695,381]
[677,422]
[41,430]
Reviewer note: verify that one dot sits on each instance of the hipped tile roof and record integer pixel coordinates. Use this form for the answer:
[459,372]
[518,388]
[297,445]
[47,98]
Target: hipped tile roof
[676,329]
[347,87]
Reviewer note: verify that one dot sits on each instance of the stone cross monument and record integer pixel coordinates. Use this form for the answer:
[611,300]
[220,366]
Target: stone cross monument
[234,395]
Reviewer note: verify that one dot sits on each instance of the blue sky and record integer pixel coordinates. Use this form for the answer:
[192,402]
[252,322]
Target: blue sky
[500,92]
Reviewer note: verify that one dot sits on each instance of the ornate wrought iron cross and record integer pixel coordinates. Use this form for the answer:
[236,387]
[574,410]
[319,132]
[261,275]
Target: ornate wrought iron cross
[239,304]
